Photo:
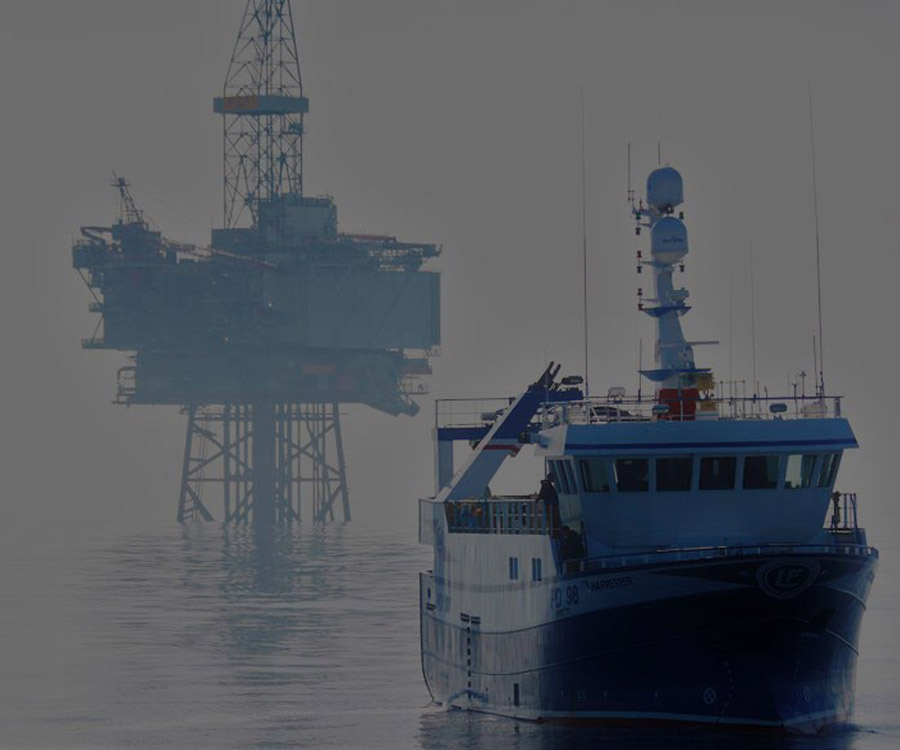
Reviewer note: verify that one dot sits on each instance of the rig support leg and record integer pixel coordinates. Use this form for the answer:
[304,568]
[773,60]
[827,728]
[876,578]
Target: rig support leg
[267,457]
[329,480]
[190,502]
[264,472]
[342,466]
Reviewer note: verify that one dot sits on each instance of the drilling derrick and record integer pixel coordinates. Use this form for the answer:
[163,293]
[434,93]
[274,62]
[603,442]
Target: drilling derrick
[263,335]
[262,107]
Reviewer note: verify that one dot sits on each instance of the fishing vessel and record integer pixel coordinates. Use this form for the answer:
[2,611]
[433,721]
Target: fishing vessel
[688,558]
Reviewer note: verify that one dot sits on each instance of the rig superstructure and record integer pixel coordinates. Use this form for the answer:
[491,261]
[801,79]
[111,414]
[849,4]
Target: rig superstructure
[261,336]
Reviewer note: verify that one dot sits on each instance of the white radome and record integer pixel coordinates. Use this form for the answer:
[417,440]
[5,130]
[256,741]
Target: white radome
[665,189]
[668,240]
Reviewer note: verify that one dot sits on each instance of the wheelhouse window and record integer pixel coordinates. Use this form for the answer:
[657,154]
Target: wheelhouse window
[829,469]
[551,469]
[761,472]
[632,474]
[717,472]
[674,474]
[571,485]
[594,474]
[559,475]
[799,471]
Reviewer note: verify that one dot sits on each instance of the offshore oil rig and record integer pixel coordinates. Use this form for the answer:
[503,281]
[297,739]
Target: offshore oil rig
[262,335]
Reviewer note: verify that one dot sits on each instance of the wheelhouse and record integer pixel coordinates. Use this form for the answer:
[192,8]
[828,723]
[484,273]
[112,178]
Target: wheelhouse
[659,484]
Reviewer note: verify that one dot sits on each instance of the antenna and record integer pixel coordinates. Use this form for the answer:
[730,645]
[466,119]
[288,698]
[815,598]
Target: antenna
[587,388]
[640,365]
[753,320]
[659,142]
[731,322]
[630,191]
[815,360]
[812,144]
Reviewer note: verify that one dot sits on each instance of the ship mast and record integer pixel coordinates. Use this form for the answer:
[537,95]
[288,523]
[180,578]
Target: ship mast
[675,375]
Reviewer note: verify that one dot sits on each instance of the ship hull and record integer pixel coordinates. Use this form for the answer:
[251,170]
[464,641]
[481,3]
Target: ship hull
[765,642]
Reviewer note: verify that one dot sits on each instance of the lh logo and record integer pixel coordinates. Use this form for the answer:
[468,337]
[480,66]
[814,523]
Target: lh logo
[785,579]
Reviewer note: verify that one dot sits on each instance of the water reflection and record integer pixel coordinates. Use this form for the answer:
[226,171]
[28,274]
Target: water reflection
[210,637]
[275,586]
[278,561]
[293,636]
[463,730]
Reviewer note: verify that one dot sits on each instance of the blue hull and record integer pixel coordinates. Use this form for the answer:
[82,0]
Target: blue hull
[742,656]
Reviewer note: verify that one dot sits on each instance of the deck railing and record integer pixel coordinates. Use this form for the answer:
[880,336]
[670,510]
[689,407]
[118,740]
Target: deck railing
[845,520]
[687,554]
[525,515]
[497,516]
[617,408]
[479,414]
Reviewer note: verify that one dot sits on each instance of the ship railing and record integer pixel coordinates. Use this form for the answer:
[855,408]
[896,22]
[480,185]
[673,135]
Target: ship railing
[689,554]
[507,515]
[126,382]
[844,518]
[469,412]
[621,408]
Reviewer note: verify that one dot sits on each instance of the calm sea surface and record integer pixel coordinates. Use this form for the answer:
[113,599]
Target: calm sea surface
[204,637]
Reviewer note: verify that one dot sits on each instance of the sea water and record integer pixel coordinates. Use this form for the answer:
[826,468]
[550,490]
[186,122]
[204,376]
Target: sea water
[205,636]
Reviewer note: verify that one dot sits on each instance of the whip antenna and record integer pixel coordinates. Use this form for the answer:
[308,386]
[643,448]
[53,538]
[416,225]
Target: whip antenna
[753,322]
[812,144]
[630,189]
[731,322]
[587,390]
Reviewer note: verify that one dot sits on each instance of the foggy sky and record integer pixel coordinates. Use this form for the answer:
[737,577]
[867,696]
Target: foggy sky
[457,123]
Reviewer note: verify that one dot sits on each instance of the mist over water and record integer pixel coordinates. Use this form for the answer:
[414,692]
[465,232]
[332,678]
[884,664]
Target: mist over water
[455,123]
[209,637]
[206,636]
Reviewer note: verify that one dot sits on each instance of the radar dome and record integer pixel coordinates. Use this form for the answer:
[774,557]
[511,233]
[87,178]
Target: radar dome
[665,189]
[668,240]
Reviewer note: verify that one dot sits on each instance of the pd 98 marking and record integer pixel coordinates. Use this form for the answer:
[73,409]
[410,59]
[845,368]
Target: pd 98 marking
[564,597]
